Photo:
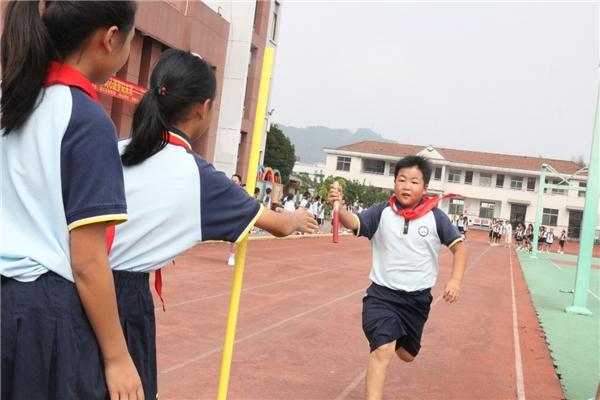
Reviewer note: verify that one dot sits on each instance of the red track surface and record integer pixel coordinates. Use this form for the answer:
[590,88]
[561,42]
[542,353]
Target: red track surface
[299,329]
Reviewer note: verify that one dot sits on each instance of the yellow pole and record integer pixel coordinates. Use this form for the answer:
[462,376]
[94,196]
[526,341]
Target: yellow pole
[240,259]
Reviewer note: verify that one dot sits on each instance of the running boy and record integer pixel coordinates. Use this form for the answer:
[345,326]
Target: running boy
[406,234]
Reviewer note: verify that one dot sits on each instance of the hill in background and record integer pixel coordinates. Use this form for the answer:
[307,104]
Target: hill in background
[310,141]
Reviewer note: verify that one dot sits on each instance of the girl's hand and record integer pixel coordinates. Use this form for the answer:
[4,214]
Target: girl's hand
[452,291]
[305,221]
[122,379]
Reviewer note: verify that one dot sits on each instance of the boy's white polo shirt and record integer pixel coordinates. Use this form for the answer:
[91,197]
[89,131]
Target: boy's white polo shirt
[405,253]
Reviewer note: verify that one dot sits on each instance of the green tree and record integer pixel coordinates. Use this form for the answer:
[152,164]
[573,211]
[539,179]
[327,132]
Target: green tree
[579,161]
[279,153]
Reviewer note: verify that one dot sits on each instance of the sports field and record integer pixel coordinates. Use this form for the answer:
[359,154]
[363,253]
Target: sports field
[574,340]
[299,330]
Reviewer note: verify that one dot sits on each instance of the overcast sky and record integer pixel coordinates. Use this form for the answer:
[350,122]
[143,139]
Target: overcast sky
[503,77]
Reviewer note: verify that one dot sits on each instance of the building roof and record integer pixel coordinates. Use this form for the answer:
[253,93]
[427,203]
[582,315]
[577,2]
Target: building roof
[463,156]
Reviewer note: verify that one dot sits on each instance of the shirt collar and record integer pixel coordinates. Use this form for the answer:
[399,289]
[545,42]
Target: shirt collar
[178,138]
[66,75]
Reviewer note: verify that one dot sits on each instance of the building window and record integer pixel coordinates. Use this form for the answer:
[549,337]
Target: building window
[516,182]
[559,182]
[531,184]
[343,163]
[454,176]
[468,177]
[550,216]
[485,179]
[486,210]
[392,169]
[374,166]
[583,185]
[456,206]
[499,181]
[437,174]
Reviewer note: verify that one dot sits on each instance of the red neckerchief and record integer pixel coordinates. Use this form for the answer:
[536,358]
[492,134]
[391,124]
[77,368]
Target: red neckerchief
[178,138]
[426,205]
[64,74]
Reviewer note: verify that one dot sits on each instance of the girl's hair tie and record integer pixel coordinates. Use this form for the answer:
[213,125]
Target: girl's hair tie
[162,90]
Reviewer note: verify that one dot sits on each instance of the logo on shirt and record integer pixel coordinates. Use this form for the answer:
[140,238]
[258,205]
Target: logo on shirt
[423,231]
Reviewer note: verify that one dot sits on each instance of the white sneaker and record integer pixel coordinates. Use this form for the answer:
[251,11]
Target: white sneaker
[231,261]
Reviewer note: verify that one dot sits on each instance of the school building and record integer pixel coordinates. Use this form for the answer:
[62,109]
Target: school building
[492,185]
[231,36]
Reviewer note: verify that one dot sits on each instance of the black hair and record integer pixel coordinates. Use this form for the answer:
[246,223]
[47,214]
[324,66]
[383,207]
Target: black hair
[256,190]
[238,176]
[268,190]
[179,80]
[30,41]
[421,163]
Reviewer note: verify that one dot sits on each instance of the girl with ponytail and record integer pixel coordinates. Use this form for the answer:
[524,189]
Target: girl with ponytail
[176,198]
[62,184]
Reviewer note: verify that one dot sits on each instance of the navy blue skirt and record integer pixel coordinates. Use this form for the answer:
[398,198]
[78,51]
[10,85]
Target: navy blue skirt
[136,312]
[49,350]
[390,315]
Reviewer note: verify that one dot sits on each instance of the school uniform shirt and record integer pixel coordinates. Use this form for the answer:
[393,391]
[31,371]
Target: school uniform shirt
[177,199]
[60,170]
[405,253]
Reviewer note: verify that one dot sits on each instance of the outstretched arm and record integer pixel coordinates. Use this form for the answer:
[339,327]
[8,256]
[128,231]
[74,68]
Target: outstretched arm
[285,223]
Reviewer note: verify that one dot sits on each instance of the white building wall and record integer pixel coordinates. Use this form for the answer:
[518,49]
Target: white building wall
[474,193]
[240,15]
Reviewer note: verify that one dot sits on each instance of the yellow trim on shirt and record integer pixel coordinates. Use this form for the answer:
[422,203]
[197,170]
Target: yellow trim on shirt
[251,224]
[357,233]
[455,241]
[114,219]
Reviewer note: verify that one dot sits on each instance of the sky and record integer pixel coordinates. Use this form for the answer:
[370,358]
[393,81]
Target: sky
[505,77]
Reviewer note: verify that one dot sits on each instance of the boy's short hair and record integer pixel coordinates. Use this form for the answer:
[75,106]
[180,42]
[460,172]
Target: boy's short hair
[268,190]
[420,162]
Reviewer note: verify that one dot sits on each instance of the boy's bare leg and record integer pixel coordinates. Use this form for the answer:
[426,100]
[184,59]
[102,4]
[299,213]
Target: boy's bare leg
[379,360]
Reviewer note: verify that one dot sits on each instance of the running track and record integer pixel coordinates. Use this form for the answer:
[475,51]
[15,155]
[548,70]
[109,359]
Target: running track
[299,330]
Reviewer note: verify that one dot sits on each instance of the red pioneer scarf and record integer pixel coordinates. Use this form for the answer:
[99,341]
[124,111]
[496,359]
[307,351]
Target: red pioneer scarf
[423,208]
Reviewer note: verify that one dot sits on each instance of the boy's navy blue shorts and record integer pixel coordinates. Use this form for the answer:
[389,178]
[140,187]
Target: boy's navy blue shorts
[136,312]
[49,350]
[390,315]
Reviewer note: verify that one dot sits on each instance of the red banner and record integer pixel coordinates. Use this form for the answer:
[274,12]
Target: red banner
[122,90]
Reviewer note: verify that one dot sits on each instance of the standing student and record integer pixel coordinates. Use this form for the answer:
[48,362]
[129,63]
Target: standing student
[289,204]
[267,200]
[176,198]
[562,239]
[549,240]
[465,227]
[406,234]
[62,184]
[507,234]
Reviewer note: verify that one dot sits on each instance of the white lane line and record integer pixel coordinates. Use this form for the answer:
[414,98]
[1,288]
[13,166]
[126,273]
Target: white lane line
[249,289]
[355,382]
[553,263]
[359,378]
[260,332]
[518,361]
